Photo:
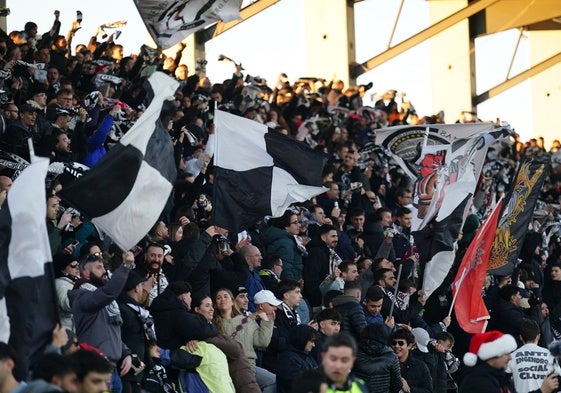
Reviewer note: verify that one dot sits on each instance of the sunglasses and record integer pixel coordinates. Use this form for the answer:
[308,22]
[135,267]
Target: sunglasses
[400,343]
[74,265]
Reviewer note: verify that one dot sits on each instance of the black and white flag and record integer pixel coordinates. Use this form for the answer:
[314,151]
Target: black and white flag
[170,21]
[28,312]
[259,173]
[125,192]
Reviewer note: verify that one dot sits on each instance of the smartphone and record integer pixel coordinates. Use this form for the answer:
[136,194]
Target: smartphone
[79,16]
[75,243]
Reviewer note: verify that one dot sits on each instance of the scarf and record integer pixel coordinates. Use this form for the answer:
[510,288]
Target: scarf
[300,246]
[334,260]
[146,319]
[112,308]
[401,301]
[292,315]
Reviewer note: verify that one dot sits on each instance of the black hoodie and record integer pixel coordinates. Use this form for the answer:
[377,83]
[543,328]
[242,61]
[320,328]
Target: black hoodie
[294,361]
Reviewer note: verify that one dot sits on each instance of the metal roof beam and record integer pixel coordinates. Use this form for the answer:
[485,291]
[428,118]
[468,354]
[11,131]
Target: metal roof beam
[521,77]
[473,8]
[245,13]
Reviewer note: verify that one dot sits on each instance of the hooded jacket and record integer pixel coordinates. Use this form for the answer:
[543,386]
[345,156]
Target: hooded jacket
[294,361]
[352,314]
[175,325]
[378,366]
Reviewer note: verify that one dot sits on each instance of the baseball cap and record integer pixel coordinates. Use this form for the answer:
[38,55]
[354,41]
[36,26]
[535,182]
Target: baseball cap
[133,280]
[266,296]
[422,338]
[239,290]
[27,108]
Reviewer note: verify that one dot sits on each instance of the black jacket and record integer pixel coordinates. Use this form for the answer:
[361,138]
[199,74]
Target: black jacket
[374,238]
[132,332]
[175,325]
[190,266]
[483,378]
[285,321]
[437,368]
[378,366]
[294,361]
[353,319]
[316,268]
[507,318]
[417,375]
[232,272]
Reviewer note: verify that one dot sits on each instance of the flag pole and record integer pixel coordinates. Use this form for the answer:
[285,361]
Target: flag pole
[464,273]
[32,157]
[396,289]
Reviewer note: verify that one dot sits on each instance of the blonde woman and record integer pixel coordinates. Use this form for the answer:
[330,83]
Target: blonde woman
[247,332]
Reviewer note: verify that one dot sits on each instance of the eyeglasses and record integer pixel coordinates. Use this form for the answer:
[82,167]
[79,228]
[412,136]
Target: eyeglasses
[400,343]
[97,254]
[74,265]
[93,258]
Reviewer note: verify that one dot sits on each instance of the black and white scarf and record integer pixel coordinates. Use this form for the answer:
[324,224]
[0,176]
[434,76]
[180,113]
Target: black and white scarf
[291,314]
[146,319]
[401,301]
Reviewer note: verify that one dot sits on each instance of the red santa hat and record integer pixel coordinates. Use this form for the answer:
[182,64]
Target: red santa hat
[489,345]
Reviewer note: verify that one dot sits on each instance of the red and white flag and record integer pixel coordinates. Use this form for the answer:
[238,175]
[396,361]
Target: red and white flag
[470,309]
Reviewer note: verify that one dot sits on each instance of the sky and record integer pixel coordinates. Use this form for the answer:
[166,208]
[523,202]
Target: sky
[271,42]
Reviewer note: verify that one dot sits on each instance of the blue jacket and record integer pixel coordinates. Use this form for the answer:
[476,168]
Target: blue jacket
[253,285]
[96,150]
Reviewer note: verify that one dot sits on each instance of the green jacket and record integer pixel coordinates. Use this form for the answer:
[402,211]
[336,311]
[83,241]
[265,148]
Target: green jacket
[282,243]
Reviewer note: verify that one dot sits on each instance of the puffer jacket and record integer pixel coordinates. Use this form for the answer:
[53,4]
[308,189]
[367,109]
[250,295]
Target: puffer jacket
[378,366]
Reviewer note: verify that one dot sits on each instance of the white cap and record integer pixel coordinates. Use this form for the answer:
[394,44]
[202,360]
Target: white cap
[265,296]
[422,338]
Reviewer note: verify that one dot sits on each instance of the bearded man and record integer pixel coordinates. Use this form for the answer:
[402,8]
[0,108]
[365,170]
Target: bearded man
[96,313]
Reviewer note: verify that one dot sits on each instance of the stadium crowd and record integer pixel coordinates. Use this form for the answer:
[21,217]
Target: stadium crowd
[326,296]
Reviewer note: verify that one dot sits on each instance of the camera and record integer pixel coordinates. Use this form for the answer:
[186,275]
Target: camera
[4,11]
[73,111]
[202,202]
[222,243]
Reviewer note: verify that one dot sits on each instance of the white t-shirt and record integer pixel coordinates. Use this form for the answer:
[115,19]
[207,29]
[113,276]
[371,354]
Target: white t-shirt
[529,366]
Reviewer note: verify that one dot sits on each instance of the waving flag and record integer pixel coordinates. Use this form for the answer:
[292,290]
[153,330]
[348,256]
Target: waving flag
[421,151]
[28,312]
[469,307]
[259,173]
[517,213]
[170,21]
[125,192]
[448,180]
